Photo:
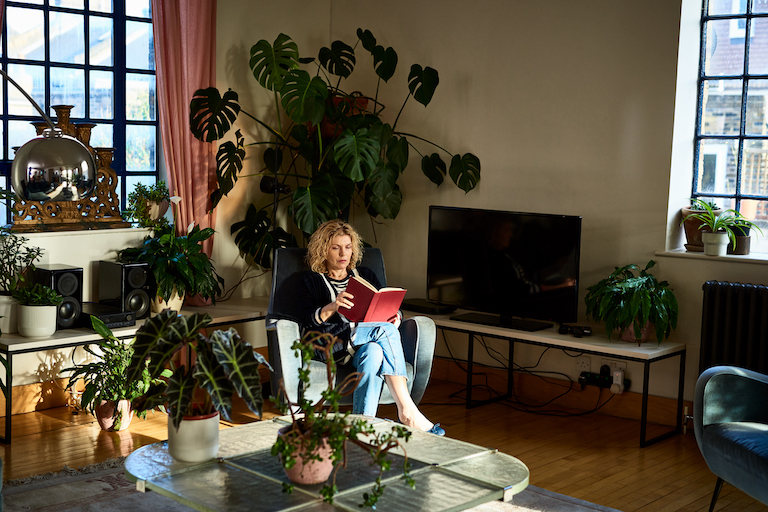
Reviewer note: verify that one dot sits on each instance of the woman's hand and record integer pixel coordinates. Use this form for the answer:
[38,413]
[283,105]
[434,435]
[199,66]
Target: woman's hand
[343,300]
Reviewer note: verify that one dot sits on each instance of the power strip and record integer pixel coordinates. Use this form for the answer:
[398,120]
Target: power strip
[601,381]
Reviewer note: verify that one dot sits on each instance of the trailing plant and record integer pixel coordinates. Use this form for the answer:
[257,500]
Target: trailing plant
[37,295]
[624,300]
[313,424]
[105,377]
[224,364]
[140,200]
[16,258]
[328,149]
[721,222]
[178,261]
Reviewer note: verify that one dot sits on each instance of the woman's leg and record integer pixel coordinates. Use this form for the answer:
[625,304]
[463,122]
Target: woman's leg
[368,360]
[392,369]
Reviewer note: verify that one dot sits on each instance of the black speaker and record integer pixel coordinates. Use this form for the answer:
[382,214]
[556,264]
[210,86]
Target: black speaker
[67,281]
[126,286]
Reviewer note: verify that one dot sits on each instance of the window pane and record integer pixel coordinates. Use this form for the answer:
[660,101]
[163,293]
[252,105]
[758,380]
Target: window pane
[101,136]
[25,33]
[101,96]
[721,107]
[758,48]
[724,54]
[19,133]
[754,168]
[68,88]
[100,41]
[717,167]
[140,148]
[140,97]
[727,7]
[67,38]
[100,5]
[32,80]
[756,107]
[71,4]
[138,8]
[140,45]
[759,6]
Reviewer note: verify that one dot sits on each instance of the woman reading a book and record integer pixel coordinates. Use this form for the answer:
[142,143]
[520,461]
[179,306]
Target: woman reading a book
[373,348]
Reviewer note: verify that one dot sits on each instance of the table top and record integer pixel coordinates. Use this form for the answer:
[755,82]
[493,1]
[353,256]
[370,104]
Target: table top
[597,342]
[223,313]
[449,475]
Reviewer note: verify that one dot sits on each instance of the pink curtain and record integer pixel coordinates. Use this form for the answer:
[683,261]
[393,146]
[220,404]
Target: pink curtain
[185,51]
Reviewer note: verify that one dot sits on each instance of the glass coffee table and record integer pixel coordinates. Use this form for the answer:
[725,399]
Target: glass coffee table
[450,475]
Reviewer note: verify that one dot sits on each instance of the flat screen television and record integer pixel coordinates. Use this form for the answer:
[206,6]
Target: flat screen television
[513,269]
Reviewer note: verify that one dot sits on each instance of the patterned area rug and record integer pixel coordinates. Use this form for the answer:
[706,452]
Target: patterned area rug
[104,488]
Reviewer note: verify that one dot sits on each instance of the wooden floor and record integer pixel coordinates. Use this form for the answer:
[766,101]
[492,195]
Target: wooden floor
[592,457]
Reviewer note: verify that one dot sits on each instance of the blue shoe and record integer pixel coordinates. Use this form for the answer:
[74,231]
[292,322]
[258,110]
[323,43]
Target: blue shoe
[437,430]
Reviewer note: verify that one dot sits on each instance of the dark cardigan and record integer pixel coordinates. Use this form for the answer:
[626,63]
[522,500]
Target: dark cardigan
[314,294]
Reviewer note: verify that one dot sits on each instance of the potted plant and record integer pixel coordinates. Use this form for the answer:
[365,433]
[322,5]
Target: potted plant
[108,393]
[314,445]
[147,204]
[718,227]
[38,310]
[201,385]
[16,258]
[180,266]
[328,150]
[692,225]
[634,304]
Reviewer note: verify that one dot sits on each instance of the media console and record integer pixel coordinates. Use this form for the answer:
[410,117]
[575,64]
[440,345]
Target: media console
[645,354]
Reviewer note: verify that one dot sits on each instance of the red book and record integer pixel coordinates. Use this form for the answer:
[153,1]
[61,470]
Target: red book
[370,304]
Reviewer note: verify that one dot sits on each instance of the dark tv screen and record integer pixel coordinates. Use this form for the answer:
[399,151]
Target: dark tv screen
[505,265]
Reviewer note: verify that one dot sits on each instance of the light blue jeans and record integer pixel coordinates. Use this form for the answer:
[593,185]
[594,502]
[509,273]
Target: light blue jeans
[379,352]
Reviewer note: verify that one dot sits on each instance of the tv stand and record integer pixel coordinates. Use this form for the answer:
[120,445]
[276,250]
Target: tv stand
[501,321]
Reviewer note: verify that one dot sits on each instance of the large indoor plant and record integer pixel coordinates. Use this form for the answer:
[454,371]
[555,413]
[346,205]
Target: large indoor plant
[326,149]
[319,432]
[16,259]
[221,364]
[633,303]
[38,310]
[108,393]
[178,262]
[719,227]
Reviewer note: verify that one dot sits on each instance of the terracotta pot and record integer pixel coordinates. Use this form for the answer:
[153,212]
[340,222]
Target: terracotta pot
[692,231]
[108,420]
[196,440]
[314,471]
[37,321]
[628,334]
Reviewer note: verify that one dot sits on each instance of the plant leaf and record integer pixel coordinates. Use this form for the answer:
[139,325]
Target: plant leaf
[304,97]
[229,162]
[339,59]
[384,62]
[422,83]
[180,389]
[434,168]
[357,154]
[397,152]
[388,207]
[211,115]
[465,171]
[212,378]
[270,63]
[315,204]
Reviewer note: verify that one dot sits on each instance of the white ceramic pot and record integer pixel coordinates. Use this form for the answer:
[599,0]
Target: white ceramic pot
[9,311]
[175,303]
[715,244]
[37,321]
[196,440]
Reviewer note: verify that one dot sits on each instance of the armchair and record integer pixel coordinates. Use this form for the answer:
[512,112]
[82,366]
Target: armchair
[418,333]
[730,420]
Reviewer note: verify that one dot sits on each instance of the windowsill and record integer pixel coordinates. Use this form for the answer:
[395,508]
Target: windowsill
[756,258]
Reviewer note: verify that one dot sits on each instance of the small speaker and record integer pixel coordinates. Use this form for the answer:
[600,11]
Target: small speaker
[67,281]
[126,286]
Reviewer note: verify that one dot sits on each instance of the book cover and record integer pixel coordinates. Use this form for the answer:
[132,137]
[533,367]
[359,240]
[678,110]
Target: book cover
[370,304]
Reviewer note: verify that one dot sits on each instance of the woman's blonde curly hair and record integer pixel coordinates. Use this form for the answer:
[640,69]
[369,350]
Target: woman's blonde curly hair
[320,243]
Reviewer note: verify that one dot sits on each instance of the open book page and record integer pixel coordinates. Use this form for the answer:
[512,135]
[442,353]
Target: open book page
[370,304]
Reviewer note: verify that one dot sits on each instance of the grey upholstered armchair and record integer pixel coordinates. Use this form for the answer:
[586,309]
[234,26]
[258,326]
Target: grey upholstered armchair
[418,333]
[730,419]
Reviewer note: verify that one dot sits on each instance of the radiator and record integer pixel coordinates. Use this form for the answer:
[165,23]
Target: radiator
[734,326]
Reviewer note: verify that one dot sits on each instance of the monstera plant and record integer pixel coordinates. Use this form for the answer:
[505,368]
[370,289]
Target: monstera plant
[325,149]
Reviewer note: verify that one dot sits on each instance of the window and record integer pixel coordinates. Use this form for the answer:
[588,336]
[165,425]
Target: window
[97,55]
